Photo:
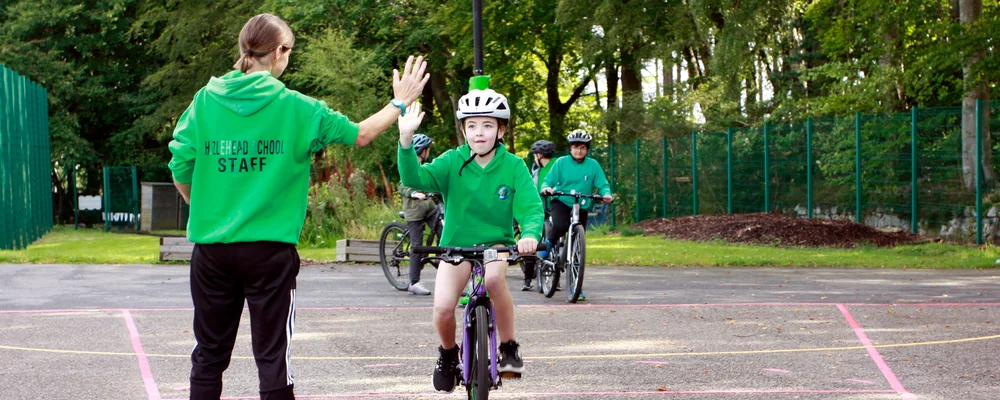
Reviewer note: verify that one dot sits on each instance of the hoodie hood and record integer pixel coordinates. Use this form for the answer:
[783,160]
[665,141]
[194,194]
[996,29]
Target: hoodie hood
[244,94]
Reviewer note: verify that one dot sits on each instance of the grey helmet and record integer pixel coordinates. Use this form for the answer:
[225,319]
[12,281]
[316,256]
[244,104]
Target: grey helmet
[544,147]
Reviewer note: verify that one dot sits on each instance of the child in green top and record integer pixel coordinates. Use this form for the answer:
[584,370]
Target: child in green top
[484,188]
[540,164]
[577,173]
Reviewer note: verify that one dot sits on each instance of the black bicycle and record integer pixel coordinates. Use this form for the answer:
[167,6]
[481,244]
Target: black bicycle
[573,261]
[394,250]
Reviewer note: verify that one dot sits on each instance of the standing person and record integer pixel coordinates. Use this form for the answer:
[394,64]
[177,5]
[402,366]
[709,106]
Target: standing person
[575,173]
[241,158]
[418,210]
[485,188]
[541,157]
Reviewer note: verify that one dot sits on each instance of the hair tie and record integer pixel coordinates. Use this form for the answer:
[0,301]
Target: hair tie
[249,51]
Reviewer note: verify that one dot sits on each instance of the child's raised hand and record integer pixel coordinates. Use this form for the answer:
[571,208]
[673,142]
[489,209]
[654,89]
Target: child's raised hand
[409,123]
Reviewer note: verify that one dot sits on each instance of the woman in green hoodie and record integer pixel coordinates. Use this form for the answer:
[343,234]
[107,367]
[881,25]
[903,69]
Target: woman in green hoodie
[485,188]
[241,157]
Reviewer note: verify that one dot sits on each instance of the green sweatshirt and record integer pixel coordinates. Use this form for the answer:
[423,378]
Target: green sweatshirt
[245,145]
[568,175]
[481,204]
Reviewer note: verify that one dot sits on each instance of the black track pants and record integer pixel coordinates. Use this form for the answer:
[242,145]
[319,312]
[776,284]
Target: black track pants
[222,277]
[561,214]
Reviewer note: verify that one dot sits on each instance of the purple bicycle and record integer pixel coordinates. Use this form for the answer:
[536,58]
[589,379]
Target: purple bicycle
[479,342]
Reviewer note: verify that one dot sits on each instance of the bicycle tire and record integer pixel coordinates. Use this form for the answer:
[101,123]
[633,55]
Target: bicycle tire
[575,264]
[395,256]
[548,279]
[479,389]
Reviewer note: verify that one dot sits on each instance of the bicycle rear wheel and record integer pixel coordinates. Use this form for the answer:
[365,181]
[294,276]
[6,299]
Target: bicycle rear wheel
[575,264]
[394,254]
[479,389]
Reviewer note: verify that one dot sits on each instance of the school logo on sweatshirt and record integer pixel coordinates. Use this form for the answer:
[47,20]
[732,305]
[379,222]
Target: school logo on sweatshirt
[504,192]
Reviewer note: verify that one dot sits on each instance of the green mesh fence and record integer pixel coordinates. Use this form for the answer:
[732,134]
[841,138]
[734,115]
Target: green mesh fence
[901,171]
[25,166]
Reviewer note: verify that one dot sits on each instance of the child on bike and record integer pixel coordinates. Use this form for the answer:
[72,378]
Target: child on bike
[485,188]
[540,164]
[577,173]
[418,209]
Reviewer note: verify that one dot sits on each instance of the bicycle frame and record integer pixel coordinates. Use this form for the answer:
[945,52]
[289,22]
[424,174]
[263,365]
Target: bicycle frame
[476,298]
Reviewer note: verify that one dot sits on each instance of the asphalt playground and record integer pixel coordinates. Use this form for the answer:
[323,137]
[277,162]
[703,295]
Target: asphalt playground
[123,332]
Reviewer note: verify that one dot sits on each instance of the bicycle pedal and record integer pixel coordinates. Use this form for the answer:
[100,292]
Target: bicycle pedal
[510,375]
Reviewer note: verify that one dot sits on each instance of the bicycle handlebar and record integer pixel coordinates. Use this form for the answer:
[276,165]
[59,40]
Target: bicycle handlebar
[476,252]
[577,195]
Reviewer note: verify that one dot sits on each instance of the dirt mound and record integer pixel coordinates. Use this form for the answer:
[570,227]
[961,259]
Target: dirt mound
[774,229]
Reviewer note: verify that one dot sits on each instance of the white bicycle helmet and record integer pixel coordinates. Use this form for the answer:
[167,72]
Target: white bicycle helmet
[483,103]
[579,136]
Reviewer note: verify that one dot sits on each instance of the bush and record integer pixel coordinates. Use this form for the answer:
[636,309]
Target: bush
[339,210]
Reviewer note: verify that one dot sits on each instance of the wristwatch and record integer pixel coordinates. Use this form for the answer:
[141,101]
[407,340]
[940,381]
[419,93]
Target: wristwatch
[399,103]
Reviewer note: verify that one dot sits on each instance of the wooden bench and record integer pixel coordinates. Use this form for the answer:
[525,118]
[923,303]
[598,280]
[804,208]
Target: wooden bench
[175,249]
[355,250]
[348,250]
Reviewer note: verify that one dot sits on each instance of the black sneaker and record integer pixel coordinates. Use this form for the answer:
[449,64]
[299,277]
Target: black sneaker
[446,372]
[527,285]
[510,358]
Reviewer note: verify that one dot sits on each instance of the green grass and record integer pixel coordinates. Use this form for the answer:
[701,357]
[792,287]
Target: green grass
[657,251]
[93,246]
[86,246]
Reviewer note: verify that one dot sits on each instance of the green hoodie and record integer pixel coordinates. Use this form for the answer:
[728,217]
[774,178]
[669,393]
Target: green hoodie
[245,145]
[568,175]
[481,204]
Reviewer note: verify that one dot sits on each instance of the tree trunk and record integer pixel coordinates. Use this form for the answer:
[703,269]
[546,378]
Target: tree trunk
[611,76]
[969,11]
[439,88]
[631,115]
[667,69]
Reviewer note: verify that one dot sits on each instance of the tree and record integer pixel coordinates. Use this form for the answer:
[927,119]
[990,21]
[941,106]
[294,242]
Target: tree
[975,89]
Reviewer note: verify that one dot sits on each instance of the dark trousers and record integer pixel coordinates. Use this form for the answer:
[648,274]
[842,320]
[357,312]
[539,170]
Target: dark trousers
[222,277]
[416,229]
[561,214]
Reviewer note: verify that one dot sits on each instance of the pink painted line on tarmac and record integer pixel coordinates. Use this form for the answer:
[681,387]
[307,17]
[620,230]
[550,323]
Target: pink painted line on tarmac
[874,354]
[576,306]
[777,370]
[502,394]
[652,362]
[383,365]
[152,392]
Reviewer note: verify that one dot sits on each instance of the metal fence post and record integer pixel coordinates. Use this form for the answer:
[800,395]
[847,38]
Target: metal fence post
[5,224]
[135,197]
[76,202]
[729,170]
[857,168]
[611,162]
[979,171]
[913,171]
[107,199]
[663,174]
[694,173]
[809,168]
[638,212]
[767,173]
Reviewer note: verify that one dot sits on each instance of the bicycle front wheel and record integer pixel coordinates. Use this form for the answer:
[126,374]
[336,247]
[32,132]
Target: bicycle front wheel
[481,379]
[394,254]
[548,278]
[575,264]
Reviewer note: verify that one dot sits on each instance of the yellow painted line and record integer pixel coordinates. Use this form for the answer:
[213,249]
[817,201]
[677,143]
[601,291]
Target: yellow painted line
[571,357]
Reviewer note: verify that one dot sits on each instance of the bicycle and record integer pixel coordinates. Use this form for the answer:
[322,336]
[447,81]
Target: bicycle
[394,246]
[571,262]
[478,350]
